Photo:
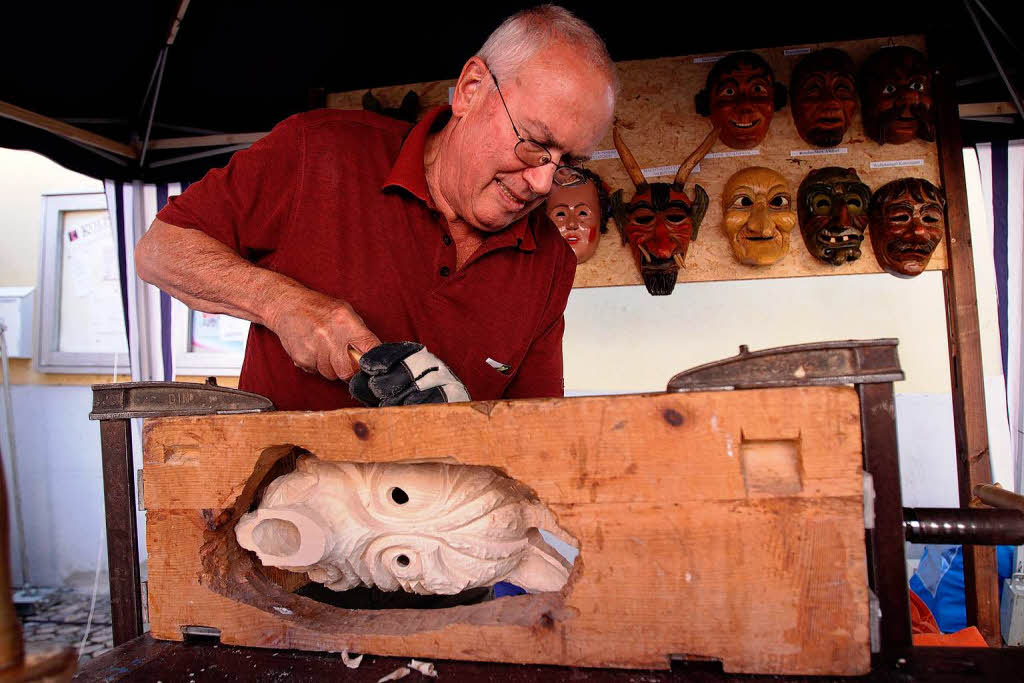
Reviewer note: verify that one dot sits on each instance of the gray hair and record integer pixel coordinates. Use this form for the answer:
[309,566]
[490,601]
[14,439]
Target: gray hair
[523,34]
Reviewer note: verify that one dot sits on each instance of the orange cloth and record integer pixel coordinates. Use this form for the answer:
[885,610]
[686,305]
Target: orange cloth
[926,630]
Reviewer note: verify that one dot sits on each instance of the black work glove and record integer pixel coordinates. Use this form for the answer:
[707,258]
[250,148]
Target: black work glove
[404,373]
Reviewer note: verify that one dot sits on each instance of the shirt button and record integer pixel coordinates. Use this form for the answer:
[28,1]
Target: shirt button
[447,239]
[445,270]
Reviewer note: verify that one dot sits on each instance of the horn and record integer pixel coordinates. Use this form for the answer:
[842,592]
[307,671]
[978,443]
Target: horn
[691,161]
[628,162]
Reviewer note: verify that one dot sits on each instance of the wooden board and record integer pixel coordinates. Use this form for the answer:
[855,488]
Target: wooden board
[721,525]
[656,112]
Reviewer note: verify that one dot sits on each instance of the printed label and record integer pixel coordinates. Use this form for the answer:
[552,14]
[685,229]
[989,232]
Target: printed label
[707,60]
[451,94]
[897,164]
[604,154]
[659,171]
[817,152]
[796,51]
[734,153]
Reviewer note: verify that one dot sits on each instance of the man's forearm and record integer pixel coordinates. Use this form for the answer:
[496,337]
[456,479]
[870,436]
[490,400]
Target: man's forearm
[208,276]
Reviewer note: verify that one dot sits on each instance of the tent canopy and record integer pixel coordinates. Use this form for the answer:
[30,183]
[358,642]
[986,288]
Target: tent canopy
[240,67]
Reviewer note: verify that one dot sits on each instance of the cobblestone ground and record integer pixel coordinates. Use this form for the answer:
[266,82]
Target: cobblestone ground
[61,623]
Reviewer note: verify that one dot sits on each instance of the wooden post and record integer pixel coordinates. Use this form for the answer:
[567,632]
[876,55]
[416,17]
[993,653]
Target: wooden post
[968,383]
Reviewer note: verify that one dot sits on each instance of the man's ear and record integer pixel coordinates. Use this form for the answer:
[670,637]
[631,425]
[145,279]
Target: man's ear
[470,84]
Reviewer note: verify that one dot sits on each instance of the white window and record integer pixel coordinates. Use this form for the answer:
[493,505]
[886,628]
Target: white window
[80,314]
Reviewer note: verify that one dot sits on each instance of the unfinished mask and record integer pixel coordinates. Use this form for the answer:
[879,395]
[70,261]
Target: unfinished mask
[823,96]
[740,96]
[660,221]
[907,223]
[427,528]
[832,204]
[896,96]
[758,215]
[580,212]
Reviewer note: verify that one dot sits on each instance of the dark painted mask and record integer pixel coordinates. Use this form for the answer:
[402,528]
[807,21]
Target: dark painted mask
[740,96]
[833,208]
[896,96]
[660,220]
[907,222]
[823,96]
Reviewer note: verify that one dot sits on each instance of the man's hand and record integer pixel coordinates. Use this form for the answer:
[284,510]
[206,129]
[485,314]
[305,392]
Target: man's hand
[405,373]
[317,330]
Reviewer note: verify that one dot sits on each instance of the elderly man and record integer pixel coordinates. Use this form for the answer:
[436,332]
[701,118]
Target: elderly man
[343,229]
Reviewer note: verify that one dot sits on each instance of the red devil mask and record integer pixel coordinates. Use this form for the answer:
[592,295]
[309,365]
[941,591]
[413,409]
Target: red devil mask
[660,221]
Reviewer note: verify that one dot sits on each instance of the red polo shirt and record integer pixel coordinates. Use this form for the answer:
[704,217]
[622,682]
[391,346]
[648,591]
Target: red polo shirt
[338,200]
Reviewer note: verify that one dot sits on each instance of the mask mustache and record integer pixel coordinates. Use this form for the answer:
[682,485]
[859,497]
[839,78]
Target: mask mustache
[918,247]
[920,112]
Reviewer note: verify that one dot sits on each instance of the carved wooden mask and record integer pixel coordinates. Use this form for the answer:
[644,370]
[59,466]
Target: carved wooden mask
[907,222]
[427,528]
[896,96]
[832,204]
[758,215]
[580,212]
[823,95]
[741,95]
[660,220]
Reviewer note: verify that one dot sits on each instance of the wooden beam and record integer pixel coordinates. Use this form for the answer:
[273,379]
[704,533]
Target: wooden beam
[970,426]
[205,141]
[976,109]
[66,130]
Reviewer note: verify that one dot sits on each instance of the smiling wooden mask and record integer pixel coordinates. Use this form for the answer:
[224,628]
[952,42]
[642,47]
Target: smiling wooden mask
[758,215]
[740,96]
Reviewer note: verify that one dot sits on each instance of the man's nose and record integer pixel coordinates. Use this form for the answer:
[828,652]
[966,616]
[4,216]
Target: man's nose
[539,178]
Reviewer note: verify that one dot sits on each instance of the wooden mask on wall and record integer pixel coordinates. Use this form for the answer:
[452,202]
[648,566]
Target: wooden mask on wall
[660,220]
[896,96]
[758,215]
[907,222]
[832,204]
[741,95]
[823,96]
[580,212]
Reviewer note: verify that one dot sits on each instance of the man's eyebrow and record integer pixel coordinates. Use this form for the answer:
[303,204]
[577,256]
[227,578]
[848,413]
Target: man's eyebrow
[547,138]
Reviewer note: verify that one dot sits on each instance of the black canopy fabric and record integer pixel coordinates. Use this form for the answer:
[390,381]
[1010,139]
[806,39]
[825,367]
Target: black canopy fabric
[239,67]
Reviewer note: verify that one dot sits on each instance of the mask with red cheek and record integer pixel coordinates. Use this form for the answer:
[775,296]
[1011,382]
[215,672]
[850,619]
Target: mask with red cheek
[576,212]
[896,96]
[907,222]
[660,220]
[832,205]
[740,96]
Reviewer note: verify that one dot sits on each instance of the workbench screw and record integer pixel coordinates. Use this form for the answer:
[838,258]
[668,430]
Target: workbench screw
[744,349]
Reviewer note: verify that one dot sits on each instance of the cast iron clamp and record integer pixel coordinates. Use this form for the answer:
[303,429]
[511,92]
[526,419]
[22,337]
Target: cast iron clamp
[115,405]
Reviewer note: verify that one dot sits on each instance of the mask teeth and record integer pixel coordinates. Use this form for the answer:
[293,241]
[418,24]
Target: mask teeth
[644,252]
[678,259]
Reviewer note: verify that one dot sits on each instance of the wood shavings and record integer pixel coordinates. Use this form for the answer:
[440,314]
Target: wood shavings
[425,668]
[400,672]
[351,662]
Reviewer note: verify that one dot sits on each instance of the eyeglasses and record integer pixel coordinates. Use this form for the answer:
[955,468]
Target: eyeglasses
[533,153]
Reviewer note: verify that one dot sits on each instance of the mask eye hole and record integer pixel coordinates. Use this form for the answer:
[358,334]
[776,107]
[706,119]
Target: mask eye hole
[727,91]
[642,217]
[917,86]
[929,218]
[759,90]
[855,204]
[779,201]
[399,496]
[821,203]
[889,89]
[583,213]
[676,218]
[559,213]
[741,202]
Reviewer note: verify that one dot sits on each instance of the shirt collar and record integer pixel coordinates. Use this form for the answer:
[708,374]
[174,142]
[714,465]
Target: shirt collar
[409,174]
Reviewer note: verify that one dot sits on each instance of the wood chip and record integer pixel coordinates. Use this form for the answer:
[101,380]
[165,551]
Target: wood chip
[351,662]
[400,672]
[425,668]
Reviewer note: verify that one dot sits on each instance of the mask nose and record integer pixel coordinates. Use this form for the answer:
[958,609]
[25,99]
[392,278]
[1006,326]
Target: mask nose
[759,222]
[661,245]
[842,214]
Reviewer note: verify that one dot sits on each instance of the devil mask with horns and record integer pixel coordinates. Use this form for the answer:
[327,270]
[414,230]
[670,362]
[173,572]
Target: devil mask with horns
[660,221]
